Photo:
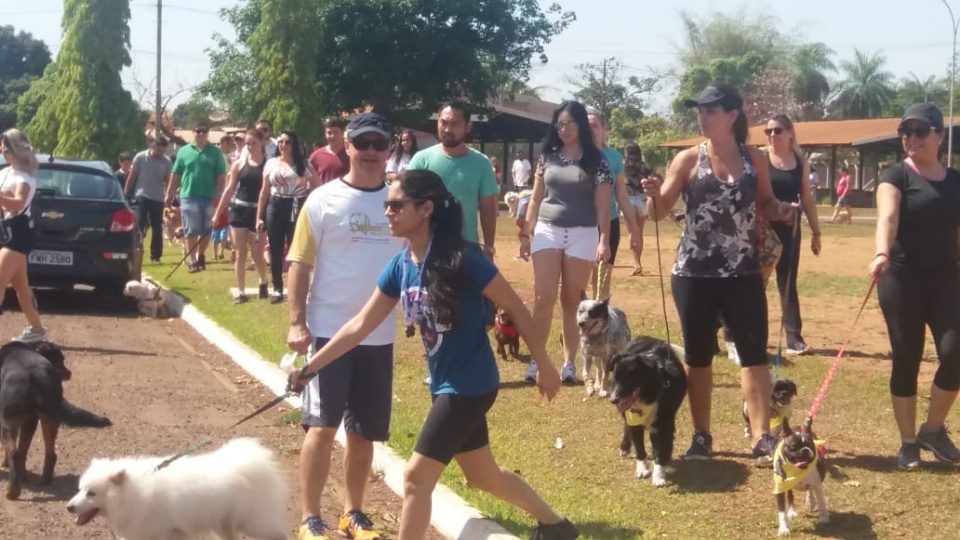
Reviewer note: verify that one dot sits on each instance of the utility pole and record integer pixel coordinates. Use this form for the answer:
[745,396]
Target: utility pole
[953,82]
[603,90]
[158,107]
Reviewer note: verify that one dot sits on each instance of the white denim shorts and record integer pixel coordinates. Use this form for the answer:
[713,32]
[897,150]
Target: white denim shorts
[576,242]
[639,204]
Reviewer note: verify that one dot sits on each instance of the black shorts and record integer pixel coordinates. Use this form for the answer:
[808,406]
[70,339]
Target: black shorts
[21,234]
[243,217]
[455,424]
[614,240]
[356,388]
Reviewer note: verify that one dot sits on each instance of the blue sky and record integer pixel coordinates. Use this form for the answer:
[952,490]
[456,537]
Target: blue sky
[915,36]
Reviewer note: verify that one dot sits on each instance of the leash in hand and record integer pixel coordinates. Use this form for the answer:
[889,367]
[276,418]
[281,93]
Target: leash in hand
[663,288]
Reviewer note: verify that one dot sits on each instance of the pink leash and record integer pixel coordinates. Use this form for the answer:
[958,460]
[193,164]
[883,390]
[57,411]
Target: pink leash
[818,401]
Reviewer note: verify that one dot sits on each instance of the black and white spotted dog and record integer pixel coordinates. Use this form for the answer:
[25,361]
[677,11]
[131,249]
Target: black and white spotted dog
[604,332]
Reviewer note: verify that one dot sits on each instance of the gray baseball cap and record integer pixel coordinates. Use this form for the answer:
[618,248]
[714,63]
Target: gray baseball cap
[928,113]
[712,96]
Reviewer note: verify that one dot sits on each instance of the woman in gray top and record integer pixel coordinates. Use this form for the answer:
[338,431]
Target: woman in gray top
[571,198]
[724,184]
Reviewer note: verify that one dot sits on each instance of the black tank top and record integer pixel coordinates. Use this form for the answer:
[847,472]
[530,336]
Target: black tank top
[787,184]
[249,182]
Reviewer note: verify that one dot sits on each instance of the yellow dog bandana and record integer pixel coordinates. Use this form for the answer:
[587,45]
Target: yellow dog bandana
[787,476]
[777,415]
[641,417]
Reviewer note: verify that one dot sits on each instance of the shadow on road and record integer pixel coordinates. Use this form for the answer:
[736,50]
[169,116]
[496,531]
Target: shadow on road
[77,302]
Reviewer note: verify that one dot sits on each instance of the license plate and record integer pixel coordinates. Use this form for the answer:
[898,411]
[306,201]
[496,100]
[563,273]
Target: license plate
[53,258]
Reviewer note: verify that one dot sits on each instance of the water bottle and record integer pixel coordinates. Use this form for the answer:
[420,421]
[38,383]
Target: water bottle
[289,363]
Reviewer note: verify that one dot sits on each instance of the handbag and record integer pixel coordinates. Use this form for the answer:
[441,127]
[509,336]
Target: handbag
[7,224]
[769,246]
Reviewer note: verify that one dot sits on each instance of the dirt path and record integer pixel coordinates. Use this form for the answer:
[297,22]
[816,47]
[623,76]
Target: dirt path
[164,387]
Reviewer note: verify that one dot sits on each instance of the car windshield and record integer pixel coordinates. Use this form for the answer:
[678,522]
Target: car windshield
[73,184]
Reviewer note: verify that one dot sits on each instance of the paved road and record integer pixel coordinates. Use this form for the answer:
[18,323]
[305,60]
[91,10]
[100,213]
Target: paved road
[165,388]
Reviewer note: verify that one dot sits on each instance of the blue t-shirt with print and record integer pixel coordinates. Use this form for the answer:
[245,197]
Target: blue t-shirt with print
[615,159]
[460,359]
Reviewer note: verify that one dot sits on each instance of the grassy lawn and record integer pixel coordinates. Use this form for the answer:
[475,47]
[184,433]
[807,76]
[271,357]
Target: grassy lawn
[726,498]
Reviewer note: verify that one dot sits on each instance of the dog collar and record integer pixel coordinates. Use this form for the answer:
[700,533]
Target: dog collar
[641,417]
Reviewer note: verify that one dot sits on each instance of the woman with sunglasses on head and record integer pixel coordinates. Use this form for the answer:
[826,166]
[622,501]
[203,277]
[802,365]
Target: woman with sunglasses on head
[18,185]
[790,179]
[441,284]
[244,185]
[571,199]
[917,282]
[724,184]
[286,182]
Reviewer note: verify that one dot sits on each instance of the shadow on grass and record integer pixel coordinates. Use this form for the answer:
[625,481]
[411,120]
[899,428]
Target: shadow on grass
[714,476]
[880,464]
[846,525]
[587,529]
[832,353]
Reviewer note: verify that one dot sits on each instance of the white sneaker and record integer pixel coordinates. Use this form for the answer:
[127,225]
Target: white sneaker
[732,353]
[427,381]
[32,334]
[531,376]
[568,373]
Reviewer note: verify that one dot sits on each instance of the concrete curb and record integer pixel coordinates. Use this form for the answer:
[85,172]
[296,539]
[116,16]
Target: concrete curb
[451,516]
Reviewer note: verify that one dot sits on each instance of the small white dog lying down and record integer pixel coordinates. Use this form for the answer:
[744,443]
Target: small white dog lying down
[152,299]
[236,489]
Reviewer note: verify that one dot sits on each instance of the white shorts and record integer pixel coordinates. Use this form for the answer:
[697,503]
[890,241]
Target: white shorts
[639,204]
[576,242]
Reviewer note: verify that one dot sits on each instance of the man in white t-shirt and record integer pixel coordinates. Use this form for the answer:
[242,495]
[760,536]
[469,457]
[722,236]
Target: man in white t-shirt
[521,172]
[343,241]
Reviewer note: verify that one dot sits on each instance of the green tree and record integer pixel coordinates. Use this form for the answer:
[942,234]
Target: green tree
[867,88]
[22,60]
[808,65]
[284,46]
[400,58]
[913,89]
[602,87]
[195,110]
[86,112]
[649,132]
[730,35]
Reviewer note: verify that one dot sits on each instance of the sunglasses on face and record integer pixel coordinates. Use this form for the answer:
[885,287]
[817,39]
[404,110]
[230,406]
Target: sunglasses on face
[201,131]
[773,131]
[397,205]
[560,126]
[919,131]
[378,144]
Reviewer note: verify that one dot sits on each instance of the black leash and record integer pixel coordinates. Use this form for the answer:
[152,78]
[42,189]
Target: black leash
[663,289]
[191,449]
[185,257]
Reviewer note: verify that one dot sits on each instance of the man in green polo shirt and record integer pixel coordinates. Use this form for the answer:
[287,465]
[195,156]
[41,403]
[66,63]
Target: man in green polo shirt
[198,173]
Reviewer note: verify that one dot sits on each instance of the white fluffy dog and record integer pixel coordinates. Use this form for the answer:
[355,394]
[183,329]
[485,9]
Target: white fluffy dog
[152,299]
[512,198]
[236,489]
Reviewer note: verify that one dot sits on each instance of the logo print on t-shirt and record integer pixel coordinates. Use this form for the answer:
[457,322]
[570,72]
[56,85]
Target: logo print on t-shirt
[360,223]
[430,332]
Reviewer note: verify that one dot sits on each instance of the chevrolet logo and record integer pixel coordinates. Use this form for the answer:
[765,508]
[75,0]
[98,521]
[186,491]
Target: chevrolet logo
[52,215]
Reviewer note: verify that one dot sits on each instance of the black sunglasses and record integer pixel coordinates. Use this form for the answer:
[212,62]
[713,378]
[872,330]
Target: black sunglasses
[378,144]
[773,131]
[201,131]
[397,204]
[920,131]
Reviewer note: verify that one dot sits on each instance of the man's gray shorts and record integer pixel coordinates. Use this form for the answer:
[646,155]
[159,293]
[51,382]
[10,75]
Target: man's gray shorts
[356,388]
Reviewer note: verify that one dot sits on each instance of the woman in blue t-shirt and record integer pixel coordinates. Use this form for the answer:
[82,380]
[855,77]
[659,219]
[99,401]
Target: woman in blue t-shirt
[442,285]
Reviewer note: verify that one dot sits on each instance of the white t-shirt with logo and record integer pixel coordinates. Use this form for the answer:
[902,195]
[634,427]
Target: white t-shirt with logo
[9,178]
[344,235]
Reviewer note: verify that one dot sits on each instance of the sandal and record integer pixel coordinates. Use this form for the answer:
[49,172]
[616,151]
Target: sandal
[637,272]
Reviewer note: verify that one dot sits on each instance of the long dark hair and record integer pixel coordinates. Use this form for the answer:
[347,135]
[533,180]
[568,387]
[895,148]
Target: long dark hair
[398,151]
[299,160]
[444,273]
[734,102]
[633,162]
[592,155]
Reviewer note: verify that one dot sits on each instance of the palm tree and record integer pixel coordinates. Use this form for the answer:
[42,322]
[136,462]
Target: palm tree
[914,90]
[867,87]
[808,64]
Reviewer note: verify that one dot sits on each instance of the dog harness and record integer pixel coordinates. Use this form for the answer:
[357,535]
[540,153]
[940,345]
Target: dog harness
[786,475]
[641,417]
[510,331]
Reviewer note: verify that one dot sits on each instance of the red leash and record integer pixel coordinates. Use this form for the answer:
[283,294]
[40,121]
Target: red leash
[815,408]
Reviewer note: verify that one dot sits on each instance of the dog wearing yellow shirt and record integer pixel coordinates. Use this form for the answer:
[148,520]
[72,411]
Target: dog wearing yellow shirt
[781,405]
[799,463]
[649,386]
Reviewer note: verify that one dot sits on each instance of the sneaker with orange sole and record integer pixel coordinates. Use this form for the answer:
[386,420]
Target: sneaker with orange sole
[357,525]
[312,528]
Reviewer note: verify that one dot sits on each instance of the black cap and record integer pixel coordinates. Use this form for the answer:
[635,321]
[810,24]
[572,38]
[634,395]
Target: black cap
[369,123]
[928,113]
[713,96]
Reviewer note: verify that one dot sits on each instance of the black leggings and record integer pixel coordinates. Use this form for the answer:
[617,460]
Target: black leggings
[909,303]
[282,213]
[788,264]
[455,424]
[742,304]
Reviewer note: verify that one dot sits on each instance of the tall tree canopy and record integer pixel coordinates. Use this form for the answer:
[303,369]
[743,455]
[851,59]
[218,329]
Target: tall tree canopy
[22,60]
[397,57]
[867,89]
[84,111]
[602,86]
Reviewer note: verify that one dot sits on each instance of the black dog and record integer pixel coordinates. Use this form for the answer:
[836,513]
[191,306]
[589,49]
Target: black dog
[31,392]
[649,385]
[799,462]
[781,405]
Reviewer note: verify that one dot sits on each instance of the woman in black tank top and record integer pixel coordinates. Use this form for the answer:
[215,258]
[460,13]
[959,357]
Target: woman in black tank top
[240,195]
[790,179]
